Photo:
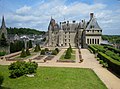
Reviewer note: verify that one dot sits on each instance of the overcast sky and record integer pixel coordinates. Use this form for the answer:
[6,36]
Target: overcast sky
[37,13]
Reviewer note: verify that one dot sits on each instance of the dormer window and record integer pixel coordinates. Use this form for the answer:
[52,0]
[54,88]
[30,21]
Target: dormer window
[91,26]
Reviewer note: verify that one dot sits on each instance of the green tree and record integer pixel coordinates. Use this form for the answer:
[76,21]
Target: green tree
[37,48]
[46,49]
[27,52]
[23,53]
[3,41]
[57,50]
[68,54]
[43,52]
[70,49]
[29,44]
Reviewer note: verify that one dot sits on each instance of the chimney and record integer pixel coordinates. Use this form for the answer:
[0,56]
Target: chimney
[91,15]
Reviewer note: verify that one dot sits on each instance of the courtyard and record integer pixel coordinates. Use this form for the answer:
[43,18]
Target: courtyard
[90,62]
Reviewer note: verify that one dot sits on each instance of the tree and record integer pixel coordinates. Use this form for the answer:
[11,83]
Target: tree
[68,54]
[27,52]
[70,49]
[29,44]
[23,53]
[37,48]
[3,41]
[43,52]
[46,49]
[57,50]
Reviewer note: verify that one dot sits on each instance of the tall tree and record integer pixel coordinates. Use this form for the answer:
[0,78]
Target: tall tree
[3,41]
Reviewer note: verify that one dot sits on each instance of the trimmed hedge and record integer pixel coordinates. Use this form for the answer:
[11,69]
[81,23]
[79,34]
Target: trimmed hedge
[112,64]
[99,48]
[93,49]
[114,49]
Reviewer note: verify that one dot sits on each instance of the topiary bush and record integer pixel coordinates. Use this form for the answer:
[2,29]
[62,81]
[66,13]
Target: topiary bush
[27,52]
[23,53]
[68,54]
[37,48]
[54,52]
[20,68]
[57,50]
[42,52]
[101,61]
[46,49]
[1,79]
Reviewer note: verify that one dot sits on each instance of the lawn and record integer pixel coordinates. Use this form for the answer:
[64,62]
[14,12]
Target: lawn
[54,78]
[72,57]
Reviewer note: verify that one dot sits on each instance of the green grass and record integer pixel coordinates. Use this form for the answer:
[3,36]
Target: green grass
[72,57]
[54,78]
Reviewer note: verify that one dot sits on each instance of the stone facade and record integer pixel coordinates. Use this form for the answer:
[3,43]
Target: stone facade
[75,34]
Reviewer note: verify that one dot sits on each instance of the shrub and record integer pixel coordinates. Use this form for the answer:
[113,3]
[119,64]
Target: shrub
[27,52]
[31,67]
[2,53]
[43,52]
[57,50]
[1,79]
[37,48]
[17,69]
[68,54]
[112,64]
[54,52]
[46,49]
[98,59]
[101,61]
[20,68]
[23,53]
[93,49]
[105,65]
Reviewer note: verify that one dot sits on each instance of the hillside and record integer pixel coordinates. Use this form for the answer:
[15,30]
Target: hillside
[112,38]
[27,31]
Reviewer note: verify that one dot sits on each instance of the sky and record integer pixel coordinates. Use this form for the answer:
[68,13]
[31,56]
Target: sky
[37,13]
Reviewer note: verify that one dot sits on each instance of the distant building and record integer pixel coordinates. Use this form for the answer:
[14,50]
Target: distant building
[75,34]
[3,30]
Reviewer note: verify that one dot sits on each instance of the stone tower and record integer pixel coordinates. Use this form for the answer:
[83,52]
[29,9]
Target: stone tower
[3,28]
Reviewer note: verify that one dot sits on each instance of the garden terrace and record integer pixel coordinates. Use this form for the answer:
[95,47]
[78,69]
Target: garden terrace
[110,58]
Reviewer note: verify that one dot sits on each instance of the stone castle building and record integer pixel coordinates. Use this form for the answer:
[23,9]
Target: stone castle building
[75,34]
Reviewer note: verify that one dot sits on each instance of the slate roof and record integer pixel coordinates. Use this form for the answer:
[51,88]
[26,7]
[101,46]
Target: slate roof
[93,25]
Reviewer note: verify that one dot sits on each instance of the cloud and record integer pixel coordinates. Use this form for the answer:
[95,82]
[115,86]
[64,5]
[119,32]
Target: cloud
[38,15]
[23,10]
